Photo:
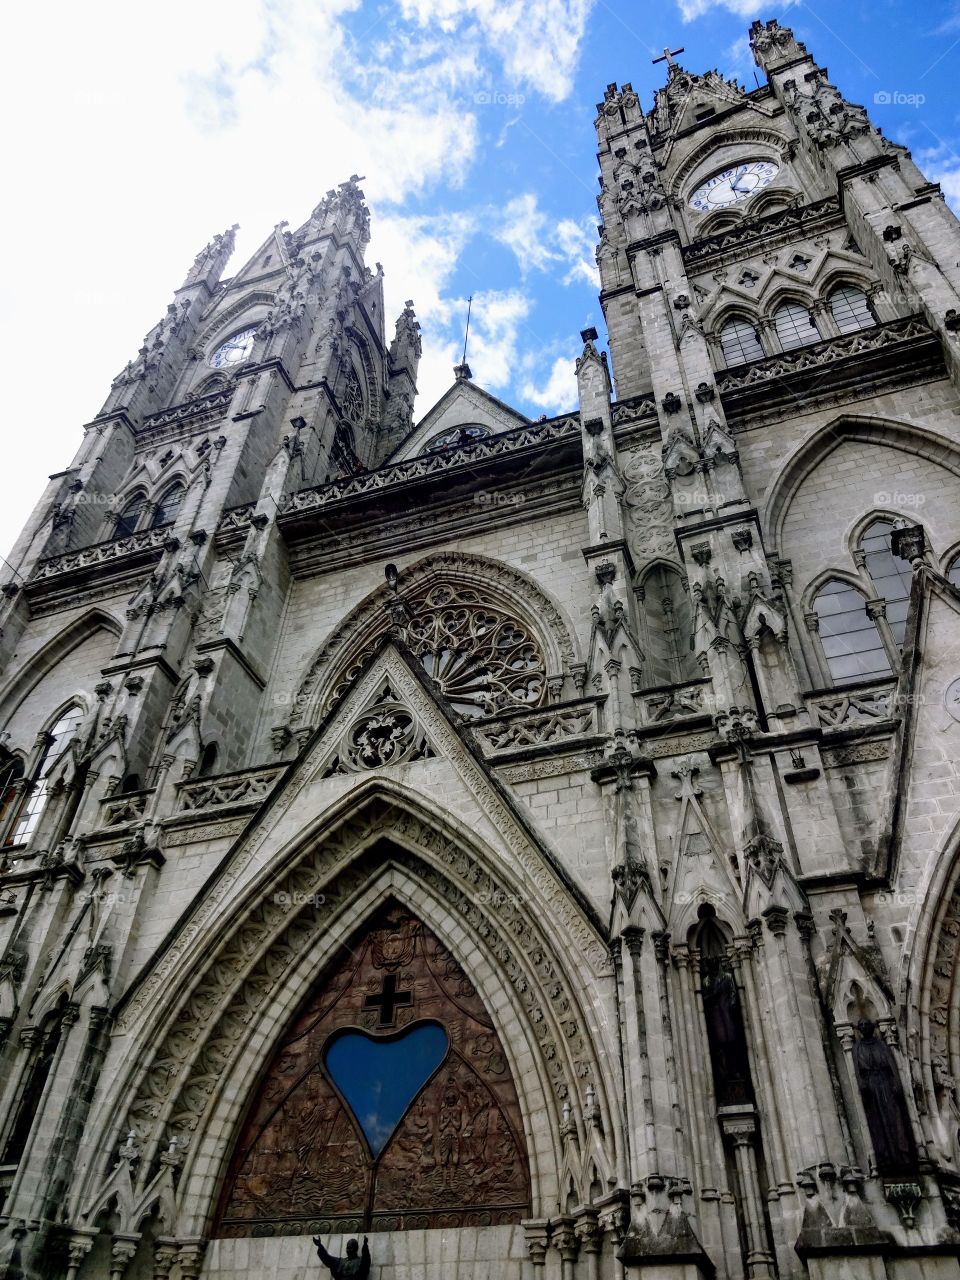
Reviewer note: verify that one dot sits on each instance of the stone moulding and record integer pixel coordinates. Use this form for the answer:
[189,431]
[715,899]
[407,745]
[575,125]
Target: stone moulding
[209,1026]
[784,221]
[115,551]
[866,704]
[230,790]
[429,464]
[550,727]
[191,410]
[905,333]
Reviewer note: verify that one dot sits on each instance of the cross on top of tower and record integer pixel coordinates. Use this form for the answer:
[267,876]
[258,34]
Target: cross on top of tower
[668,56]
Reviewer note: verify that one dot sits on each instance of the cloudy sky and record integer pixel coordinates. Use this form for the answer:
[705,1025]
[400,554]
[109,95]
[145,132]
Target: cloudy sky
[135,131]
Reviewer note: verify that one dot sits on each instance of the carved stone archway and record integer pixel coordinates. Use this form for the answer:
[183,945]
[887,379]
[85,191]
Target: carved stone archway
[213,1036]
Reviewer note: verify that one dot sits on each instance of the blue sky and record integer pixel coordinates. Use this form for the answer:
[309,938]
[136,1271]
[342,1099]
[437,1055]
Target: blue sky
[136,136]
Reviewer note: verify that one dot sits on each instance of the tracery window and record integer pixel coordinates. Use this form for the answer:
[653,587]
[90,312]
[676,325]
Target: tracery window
[850,309]
[57,739]
[129,517]
[389,1104]
[458,437]
[481,657]
[740,342]
[849,637]
[168,506]
[795,327]
[11,776]
[891,576]
[351,397]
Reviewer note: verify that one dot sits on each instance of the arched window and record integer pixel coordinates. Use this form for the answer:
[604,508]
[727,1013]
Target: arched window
[44,1052]
[168,506]
[668,628]
[953,572]
[726,1036]
[129,517]
[10,774]
[739,342]
[891,576]
[57,739]
[850,308]
[795,327]
[851,642]
[208,760]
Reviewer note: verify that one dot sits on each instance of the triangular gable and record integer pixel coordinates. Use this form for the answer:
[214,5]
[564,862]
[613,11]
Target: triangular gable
[320,785]
[463,404]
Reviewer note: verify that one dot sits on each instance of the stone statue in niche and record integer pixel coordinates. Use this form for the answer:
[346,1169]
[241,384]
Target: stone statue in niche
[883,1102]
[355,1266]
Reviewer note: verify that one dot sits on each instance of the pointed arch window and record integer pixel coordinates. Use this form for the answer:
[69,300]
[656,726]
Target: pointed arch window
[56,739]
[890,575]
[11,789]
[726,1036]
[43,1054]
[953,572]
[795,327]
[169,505]
[849,637]
[851,309]
[740,342]
[129,517]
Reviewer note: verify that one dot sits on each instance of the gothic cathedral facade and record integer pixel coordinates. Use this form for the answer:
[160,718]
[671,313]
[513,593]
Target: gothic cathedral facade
[531,845]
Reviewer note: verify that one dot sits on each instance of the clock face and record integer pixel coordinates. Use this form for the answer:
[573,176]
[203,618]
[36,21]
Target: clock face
[739,182]
[235,350]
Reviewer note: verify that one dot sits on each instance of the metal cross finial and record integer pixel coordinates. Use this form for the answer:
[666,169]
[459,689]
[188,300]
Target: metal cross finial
[668,56]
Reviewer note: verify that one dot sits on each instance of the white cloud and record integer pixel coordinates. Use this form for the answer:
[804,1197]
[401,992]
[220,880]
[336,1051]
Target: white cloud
[691,9]
[540,244]
[559,392]
[537,40]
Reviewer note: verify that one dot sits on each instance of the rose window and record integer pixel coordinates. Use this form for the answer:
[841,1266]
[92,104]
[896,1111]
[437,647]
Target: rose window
[481,658]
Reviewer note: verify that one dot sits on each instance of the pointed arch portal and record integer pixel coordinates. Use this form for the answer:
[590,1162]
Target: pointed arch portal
[389,1104]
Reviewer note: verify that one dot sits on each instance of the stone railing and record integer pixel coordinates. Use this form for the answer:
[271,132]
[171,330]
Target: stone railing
[692,699]
[864,704]
[633,410]
[431,464]
[247,788]
[212,405]
[102,553]
[784,220]
[821,355]
[548,726]
[236,520]
[118,811]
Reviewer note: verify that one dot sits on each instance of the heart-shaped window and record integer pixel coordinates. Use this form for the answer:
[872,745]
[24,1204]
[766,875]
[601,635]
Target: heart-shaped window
[380,1076]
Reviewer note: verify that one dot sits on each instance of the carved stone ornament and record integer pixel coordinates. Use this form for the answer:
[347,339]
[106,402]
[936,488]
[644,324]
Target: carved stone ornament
[388,733]
[322,1152]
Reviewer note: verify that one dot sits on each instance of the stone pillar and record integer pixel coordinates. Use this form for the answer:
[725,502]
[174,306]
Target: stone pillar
[122,1254]
[190,1258]
[164,1256]
[79,1245]
[613,1216]
[565,1241]
[740,1125]
[537,1234]
[590,1237]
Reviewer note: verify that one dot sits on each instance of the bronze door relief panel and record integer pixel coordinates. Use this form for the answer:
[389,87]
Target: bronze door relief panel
[388,1106]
